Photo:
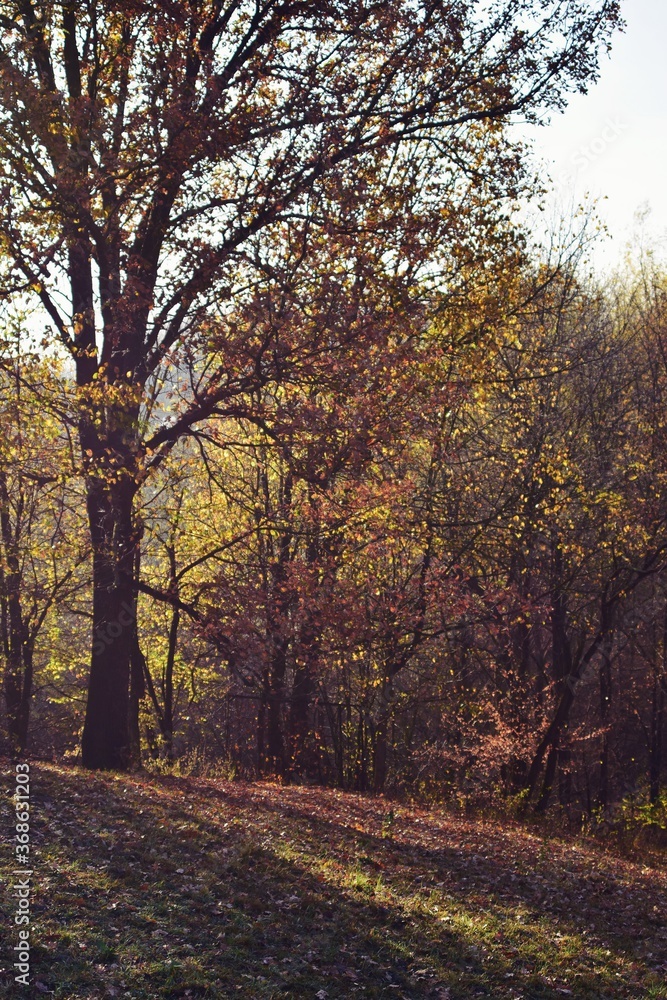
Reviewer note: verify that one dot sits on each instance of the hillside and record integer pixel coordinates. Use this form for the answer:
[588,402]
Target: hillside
[149,887]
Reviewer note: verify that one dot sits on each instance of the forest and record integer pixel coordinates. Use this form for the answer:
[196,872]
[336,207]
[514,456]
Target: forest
[319,462]
[333,509]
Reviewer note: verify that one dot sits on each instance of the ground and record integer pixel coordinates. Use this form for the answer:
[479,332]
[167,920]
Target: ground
[148,887]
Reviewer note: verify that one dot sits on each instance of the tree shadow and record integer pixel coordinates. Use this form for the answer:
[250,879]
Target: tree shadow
[188,888]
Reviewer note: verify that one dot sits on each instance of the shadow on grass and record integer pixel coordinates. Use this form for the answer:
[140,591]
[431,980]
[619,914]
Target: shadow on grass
[578,888]
[169,888]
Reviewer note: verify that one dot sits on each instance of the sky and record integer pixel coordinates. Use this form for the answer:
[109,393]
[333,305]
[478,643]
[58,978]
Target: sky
[611,144]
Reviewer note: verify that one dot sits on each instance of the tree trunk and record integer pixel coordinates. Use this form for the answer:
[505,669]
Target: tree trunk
[106,740]
[303,761]
[605,706]
[567,675]
[380,755]
[138,669]
[549,775]
[657,717]
[17,642]
[274,730]
[18,695]
[261,734]
[565,776]
[109,442]
[168,716]
[655,756]
[361,782]
[302,689]
[164,712]
[275,741]
[280,599]
[561,671]
[381,731]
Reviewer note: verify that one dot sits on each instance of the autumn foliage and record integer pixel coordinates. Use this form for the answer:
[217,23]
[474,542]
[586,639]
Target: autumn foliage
[313,464]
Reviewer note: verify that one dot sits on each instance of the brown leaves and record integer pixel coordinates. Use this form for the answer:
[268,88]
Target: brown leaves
[297,904]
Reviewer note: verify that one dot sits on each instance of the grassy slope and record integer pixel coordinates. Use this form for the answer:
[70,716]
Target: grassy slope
[178,887]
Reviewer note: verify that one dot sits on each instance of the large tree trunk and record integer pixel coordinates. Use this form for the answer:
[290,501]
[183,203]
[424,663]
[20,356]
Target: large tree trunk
[106,740]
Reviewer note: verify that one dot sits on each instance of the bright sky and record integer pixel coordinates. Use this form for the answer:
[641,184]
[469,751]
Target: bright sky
[611,144]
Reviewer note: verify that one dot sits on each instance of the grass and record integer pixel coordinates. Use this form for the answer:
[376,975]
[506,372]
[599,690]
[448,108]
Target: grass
[149,887]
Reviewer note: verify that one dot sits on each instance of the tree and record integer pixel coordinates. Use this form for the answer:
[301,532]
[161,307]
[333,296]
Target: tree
[40,552]
[157,157]
[564,478]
